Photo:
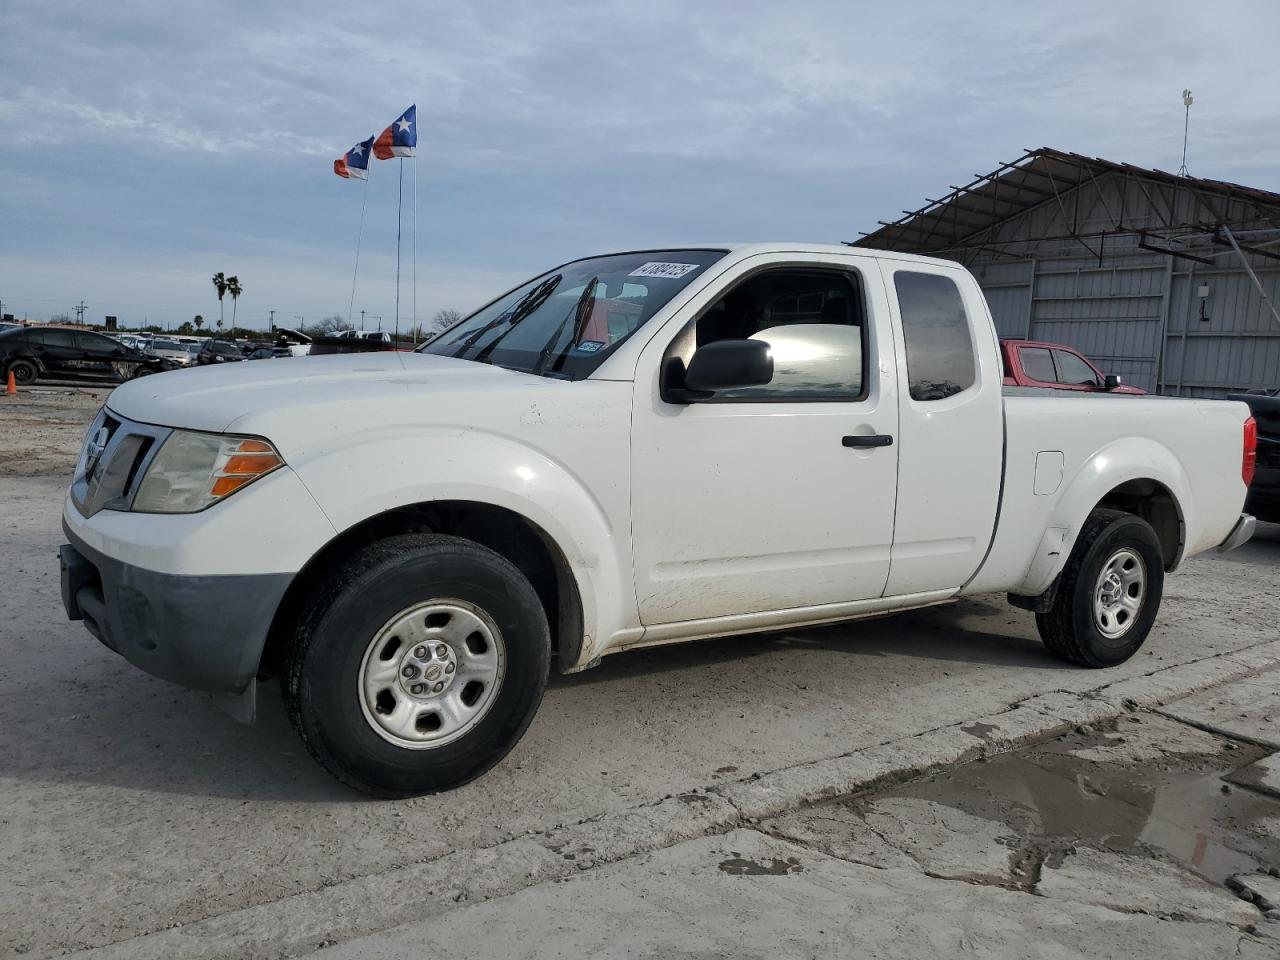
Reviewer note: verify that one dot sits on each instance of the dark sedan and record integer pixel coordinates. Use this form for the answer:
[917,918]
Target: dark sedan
[218,351]
[56,353]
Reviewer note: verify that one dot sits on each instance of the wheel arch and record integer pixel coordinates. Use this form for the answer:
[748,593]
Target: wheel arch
[505,531]
[1133,474]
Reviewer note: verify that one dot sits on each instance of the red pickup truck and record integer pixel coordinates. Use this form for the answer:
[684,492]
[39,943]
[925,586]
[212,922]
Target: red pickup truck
[1030,363]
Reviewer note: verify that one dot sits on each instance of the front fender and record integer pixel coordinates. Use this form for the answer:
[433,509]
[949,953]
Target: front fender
[385,470]
[1119,462]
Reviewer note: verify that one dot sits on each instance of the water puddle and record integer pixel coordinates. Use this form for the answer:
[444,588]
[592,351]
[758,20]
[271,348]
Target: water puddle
[1067,792]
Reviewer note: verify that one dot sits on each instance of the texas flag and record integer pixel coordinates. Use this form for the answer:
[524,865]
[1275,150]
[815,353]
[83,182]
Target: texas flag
[354,164]
[399,139]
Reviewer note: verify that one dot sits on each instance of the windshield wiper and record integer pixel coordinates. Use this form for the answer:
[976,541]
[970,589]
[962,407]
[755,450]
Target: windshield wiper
[530,302]
[580,314]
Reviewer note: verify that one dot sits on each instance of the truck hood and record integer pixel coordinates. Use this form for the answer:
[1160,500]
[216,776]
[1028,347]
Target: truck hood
[245,397]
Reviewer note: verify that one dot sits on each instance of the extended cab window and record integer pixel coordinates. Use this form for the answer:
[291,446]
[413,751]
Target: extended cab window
[935,330]
[1037,364]
[812,320]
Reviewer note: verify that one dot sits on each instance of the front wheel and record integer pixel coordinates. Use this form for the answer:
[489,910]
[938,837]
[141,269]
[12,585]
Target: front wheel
[1108,594]
[419,666]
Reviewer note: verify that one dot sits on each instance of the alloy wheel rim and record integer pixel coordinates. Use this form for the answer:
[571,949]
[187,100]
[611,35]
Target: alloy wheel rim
[431,673]
[1120,593]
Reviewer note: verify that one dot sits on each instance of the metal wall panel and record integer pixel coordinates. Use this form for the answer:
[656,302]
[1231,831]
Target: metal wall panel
[1135,312]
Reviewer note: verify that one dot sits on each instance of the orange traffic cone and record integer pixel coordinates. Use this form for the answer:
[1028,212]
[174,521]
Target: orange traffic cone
[11,388]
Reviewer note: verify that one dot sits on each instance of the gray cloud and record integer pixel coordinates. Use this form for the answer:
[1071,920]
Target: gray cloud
[195,134]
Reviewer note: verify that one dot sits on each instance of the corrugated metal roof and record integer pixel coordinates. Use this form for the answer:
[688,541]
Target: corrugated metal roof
[1038,176]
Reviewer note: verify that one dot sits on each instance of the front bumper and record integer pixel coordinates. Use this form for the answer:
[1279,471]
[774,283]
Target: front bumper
[204,632]
[1239,534]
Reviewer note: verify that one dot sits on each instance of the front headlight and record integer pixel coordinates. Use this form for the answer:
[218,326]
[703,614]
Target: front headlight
[193,470]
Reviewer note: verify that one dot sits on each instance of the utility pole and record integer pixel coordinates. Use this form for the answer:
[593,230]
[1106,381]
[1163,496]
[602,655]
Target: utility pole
[272,322]
[361,319]
[80,313]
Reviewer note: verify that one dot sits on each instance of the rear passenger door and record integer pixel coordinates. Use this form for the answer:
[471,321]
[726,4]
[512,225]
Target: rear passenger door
[101,357]
[951,426]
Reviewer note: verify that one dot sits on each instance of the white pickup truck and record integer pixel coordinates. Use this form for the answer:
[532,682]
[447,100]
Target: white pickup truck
[628,450]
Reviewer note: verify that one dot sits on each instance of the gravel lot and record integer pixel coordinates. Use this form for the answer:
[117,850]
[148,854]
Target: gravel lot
[128,805]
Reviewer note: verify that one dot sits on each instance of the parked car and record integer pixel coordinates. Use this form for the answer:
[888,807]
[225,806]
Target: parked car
[45,353]
[1264,493]
[628,450]
[218,351]
[266,353]
[170,350]
[1031,363]
[377,335]
[5,326]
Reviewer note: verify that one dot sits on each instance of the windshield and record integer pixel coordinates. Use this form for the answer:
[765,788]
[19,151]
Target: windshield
[566,321]
[165,345]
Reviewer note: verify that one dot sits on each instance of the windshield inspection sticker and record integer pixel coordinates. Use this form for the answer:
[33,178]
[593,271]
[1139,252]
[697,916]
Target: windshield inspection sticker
[671,271]
[589,346]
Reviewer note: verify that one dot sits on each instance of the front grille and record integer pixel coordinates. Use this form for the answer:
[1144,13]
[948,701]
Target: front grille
[113,461]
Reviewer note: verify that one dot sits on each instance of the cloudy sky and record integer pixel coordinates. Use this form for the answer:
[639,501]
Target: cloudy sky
[146,145]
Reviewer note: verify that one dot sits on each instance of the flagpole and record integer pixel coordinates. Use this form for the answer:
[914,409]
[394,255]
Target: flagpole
[399,207]
[359,233]
[415,249]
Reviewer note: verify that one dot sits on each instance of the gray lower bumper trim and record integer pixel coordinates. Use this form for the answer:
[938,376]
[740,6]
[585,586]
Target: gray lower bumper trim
[204,632]
[1239,534]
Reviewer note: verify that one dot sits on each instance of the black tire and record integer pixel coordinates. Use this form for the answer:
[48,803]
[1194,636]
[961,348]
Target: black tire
[322,683]
[1070,628]
[143,371]
[24,372]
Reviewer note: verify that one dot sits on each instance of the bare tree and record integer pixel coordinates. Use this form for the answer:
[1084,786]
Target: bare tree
[443,320]
[330,325]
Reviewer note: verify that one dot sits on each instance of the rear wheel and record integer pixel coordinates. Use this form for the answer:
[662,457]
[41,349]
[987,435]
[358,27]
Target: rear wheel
[1108,594]
[24,372]
[419,665]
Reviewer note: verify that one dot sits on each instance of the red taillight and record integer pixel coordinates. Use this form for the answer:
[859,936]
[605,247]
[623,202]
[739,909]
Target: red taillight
[1250,450]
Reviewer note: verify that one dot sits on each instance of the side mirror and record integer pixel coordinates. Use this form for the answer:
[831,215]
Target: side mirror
[1111,381]
[726,364]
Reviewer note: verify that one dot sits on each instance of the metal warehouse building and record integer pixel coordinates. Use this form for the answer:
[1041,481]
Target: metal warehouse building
[1170,281]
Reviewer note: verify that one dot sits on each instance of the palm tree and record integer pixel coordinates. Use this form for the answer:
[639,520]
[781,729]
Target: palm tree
[198,321]
[234,288]
[220,284]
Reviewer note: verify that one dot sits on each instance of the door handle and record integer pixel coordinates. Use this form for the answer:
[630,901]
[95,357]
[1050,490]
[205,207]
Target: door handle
[874,440]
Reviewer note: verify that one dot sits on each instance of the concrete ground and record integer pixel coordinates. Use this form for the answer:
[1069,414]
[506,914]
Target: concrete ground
[1121,841]
[129,807]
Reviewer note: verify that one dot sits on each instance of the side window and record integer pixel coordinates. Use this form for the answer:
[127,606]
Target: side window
[58,338]
[1037,364]
[1073,370]
[940,360]
[812,320]
[93,342]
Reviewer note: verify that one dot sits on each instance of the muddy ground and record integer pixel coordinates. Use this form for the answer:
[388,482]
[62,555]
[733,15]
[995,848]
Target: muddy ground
[41,429]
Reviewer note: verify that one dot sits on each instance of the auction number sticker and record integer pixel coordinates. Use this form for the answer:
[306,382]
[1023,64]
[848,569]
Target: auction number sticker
[671,271]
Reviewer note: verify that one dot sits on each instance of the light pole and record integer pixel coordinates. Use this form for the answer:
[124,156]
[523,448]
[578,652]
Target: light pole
[1186,124]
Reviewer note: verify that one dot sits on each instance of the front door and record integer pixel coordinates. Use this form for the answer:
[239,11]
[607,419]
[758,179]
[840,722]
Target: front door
[774,497]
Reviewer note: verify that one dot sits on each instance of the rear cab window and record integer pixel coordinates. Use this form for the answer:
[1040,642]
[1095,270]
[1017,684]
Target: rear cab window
[935,329]
[1037,364]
